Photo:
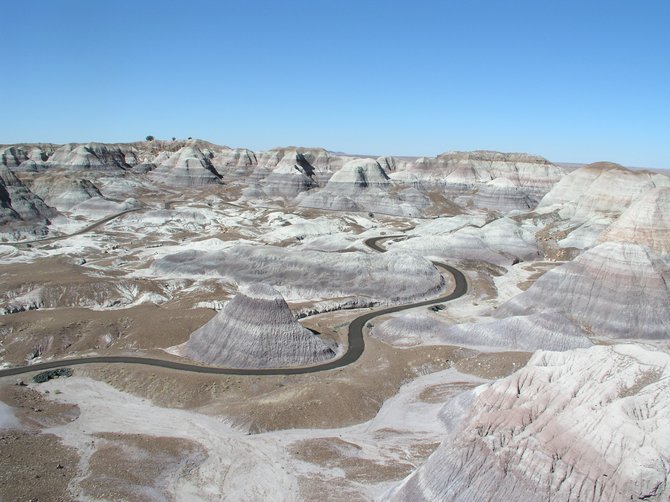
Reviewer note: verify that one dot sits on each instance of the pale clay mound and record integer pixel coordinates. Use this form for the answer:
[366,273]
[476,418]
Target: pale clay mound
[646,222]
[500,181]
[29,158]
[470,168]
[362,185]
[502,241]
[586,206]
[321,161]
[546,331]
[601,188]
[584,425]
[501,194]
[98,156]
[590,201]
[187,167]
[390,277]
[292,175]
[615,290]
[256,329]
[63,192]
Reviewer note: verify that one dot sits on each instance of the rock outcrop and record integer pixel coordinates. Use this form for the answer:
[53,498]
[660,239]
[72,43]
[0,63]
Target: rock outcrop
[358,186]
[233,164]
[28,158]
[21,211]
[256,329]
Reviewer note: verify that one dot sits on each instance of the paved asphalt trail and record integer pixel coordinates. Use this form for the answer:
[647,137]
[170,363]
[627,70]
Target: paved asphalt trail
[84,230]
[356,340]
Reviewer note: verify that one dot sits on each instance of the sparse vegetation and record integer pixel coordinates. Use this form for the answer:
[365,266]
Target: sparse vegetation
[48,375]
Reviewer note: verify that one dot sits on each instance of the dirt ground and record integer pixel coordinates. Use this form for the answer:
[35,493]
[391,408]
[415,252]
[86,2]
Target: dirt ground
[34,465]
[135,467]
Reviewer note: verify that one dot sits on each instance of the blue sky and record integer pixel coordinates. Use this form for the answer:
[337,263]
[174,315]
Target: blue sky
[570,80]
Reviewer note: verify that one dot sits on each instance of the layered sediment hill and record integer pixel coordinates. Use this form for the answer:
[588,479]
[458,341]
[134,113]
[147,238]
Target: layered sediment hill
[587,203]
[97,156]
[547,331]
[187,167]
[402,186]
[615,290]
[600,188]
[502,241]
[503,181]
[588,424]
[319,161]
[503,195]
[292,174]
[390,277]
[646,222]
[29,158]
[363,185]
[64,192]
[256,329]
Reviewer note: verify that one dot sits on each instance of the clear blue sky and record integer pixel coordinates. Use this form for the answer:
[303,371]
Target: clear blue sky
[571,80]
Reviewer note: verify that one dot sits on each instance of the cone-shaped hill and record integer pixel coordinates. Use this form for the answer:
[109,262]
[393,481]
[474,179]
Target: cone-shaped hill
[256,329]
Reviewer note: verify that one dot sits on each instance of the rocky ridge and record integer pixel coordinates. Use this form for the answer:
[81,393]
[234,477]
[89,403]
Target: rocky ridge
[302,176]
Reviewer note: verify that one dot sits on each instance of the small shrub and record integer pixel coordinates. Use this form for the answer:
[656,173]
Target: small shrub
[48,375]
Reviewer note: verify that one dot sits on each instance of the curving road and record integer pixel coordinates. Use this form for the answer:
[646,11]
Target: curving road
[84,230]
[355,337]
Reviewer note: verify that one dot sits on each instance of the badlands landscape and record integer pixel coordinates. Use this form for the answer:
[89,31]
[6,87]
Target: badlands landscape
[298,324]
